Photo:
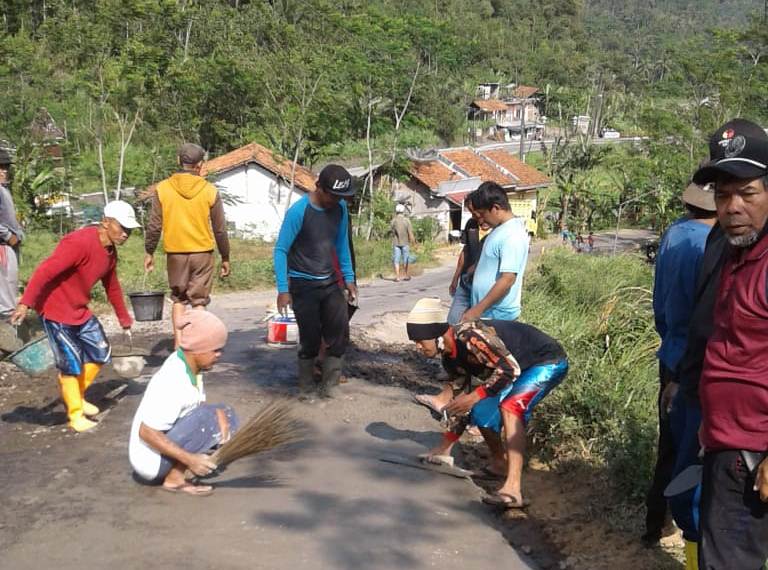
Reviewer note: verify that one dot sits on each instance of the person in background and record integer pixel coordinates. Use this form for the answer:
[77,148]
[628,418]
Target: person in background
[11,236]
[734,381]
[681,250]
[188,211]
[316,229]
[460,288]
[60,290]
[402,239]
[173,426]
[497,284]
[591,242]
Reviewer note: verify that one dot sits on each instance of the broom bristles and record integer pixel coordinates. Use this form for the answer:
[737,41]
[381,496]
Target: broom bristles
[272,426]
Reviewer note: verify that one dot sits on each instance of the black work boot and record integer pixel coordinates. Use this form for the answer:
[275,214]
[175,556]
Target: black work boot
[306,376]
[332,366]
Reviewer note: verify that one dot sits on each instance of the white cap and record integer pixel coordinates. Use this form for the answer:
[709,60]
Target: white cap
[122,212]
[399,208]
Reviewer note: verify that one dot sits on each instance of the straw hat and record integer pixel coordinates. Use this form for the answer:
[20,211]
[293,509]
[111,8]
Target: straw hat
[701,197]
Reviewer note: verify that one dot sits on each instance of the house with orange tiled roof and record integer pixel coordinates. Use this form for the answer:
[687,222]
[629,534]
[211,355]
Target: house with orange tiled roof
[256,185]
[434,190]
[508,112]
[439,183]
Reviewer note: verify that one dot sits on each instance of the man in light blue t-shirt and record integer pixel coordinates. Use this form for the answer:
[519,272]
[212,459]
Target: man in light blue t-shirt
[498,281]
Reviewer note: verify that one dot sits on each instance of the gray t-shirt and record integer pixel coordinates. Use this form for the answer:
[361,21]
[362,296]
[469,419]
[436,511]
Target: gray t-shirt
[8,222]
[401,230]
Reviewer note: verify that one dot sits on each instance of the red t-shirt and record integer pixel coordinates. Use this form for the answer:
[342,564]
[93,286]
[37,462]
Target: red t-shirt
[60,288]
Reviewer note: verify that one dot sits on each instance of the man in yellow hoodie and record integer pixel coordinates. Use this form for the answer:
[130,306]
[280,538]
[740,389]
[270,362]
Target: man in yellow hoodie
[188,210]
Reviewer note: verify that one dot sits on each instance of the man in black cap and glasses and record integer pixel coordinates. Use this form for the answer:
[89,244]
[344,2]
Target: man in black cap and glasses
[314,229]
[734,381]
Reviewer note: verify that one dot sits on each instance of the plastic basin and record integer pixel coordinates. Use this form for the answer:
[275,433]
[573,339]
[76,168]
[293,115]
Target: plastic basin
[34,357]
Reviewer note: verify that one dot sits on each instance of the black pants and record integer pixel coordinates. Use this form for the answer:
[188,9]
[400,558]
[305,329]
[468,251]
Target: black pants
[321,314]
[655,501]
[734,521]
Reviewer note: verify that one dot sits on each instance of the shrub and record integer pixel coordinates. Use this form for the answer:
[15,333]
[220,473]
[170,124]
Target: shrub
[599,308]
[425,229]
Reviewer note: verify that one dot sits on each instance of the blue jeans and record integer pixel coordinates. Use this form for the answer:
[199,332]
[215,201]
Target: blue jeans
[462,300]
[197,432]
[400,254]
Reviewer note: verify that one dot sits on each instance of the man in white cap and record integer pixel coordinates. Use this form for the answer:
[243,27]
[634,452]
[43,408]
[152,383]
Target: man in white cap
[60,290]
[519,364]
[402,238]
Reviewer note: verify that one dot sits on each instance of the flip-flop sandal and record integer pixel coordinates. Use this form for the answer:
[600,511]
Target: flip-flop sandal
[504,500]
[190,489]
[436,459]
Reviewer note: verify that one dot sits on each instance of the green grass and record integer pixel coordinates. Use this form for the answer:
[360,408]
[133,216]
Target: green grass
[251,263]
[604,413]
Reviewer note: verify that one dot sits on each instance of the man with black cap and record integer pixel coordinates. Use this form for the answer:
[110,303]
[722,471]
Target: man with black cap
[11,236]
[314,230]
[519,364]
[188,210]
[734,382]
[677,266]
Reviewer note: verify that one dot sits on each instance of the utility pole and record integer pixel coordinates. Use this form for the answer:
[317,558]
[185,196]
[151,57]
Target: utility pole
[522,129]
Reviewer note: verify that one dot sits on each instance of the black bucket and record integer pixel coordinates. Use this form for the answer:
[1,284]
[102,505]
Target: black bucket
[147,306]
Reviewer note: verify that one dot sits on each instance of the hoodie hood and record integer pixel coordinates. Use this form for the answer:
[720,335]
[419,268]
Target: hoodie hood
[187,185]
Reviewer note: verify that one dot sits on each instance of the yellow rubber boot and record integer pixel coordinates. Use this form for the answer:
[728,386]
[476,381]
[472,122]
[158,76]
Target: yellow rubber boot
[70,393]
[86,378]
[691,555]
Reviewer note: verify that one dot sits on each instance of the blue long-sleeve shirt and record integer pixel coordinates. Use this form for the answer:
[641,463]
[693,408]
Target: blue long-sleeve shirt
[677,267]
[307,242]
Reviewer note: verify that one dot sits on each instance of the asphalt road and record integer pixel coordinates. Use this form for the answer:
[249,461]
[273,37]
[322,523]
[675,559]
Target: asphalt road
[330,503]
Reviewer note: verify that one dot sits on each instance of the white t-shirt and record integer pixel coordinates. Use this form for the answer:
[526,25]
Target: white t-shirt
[169,396]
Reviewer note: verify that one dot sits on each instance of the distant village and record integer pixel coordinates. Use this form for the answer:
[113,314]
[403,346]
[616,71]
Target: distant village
[259,185]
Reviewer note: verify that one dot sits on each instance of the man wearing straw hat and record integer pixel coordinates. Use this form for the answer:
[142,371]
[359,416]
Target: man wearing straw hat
[173,426]
[678,260]
[520,365]
[188,210]
[60,290]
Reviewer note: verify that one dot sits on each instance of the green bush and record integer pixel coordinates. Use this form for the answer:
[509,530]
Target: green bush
[251,262]
[425,229]
[604,413]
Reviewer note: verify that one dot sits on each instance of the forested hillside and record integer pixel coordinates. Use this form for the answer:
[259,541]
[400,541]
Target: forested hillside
[311,79]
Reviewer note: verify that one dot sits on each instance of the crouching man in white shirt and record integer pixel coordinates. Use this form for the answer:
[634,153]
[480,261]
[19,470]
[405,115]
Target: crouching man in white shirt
[173,426]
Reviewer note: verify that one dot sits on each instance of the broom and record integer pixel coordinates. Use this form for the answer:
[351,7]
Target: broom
[271,427]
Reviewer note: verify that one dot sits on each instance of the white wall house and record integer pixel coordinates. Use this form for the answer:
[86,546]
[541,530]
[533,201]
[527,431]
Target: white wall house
[255,185]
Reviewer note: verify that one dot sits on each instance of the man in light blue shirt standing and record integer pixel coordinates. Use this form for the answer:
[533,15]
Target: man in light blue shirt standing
[498,281]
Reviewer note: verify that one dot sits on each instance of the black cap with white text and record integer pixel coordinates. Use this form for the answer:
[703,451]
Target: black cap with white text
[739,148]
[336,180]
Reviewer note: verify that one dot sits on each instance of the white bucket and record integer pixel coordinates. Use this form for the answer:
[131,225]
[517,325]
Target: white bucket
[282,331]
